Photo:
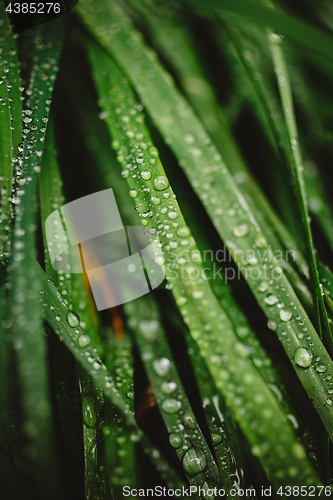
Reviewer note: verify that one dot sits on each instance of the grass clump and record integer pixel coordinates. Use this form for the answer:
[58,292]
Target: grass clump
[200,117]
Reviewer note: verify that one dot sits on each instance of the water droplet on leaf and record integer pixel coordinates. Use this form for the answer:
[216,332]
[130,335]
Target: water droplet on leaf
[303,357]
[73,319]
[161,183]
[194,461]
[171,406]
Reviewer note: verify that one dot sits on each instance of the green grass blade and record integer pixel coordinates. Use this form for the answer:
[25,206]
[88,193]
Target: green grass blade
[121,450]
[129,134]
[175,45]
[297,179]
[27,328]
[10,121]
[289,157]
[184,433]
[74,294]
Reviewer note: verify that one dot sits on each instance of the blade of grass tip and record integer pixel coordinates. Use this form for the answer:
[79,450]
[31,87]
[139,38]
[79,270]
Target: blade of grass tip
[120,449]
[26,330]
[75,295]
[296,175]
[10,122]
[175,44]
[185,435]
[277,20]
[218,340]
[241,234]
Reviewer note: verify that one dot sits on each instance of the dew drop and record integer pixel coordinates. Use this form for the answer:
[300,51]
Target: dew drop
[172,215]
[272,325]
[285,315]
[168,387]
[183,232]
[73,319]
[303,357]
[154,152]
[89,414]
[133,193]
[156,200]
[171,406]
[146,175]
[161,366]
[189,420]
[321,368]
[260,240]
[216,438]
[240,231]
[263,286]
[161,183]
[271,299]
[175,440]
[106,431]
[194,461]
[83,341]
[149,329]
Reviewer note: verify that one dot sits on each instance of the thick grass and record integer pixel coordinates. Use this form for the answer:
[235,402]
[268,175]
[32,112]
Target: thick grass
[217,144]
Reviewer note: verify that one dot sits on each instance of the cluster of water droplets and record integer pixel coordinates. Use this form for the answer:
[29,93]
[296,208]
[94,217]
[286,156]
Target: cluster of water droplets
[8,84]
